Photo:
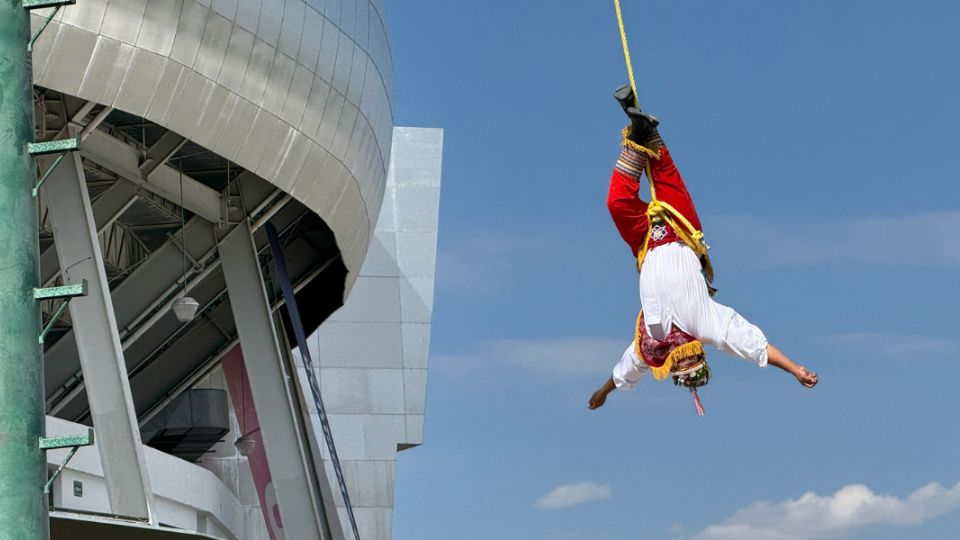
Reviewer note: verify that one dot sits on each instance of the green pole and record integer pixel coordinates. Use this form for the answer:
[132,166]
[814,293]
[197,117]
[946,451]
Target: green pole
[23,508]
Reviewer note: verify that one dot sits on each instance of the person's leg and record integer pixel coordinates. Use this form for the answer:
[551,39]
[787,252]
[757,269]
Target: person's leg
[671,188]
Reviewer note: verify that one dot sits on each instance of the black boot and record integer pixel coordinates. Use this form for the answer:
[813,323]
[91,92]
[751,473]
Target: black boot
[624,96]
[643,126]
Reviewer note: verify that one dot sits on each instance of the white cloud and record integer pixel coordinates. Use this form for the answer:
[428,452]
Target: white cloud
[578,355]
[931,238]
[569,495]
[851,508]
[479,263]
[483,261]
[893,346]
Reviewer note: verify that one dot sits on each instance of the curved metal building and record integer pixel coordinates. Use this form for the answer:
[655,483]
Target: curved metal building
[241,153]
[297,92]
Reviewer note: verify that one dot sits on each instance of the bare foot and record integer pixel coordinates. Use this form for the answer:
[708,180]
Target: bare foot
[806,377]
[597,399]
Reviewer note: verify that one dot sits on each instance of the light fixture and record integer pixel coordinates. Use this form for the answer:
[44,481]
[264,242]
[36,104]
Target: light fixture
[246,445]
[185,307]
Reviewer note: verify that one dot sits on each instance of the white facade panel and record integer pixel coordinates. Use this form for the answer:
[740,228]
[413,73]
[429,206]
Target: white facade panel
[90,18]
[118,17]
[213,46]
[373,352]
[189,31]
[109,64]
[141,82]
[156,17]
[291,30]
[227,8]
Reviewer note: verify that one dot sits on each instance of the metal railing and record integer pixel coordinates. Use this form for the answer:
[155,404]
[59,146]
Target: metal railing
[291,301]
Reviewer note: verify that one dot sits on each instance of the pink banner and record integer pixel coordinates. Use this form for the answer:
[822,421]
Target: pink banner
[236,374]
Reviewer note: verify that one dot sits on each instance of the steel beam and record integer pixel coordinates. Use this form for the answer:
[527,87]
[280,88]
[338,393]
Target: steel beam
[160,152]
[95,122]
[56,146]
[124,160]
[98,342]
[23,508]
[109,206]
[53,443]
[82,107]
[286,453]
[214,360]
[139,298]
[63,292]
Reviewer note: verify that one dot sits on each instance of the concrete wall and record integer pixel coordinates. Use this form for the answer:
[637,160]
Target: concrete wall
[373,352]
[186,496]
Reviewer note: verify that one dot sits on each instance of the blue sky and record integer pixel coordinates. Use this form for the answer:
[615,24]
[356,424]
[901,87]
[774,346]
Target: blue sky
[819,140]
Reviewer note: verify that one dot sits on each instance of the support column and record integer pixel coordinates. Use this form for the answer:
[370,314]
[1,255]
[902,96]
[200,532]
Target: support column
[23,508]
[98,342]
[291,477]
[111,204]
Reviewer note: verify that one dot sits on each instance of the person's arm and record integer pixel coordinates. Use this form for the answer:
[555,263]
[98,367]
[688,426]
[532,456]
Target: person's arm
[804,376]
[600,396]
[628,371]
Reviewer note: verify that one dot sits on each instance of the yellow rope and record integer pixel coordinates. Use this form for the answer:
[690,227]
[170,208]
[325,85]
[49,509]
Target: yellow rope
[655,154]
[626,52]
[659,210]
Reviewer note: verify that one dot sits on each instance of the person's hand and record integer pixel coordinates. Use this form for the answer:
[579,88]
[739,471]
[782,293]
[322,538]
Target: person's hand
[806,377]
[597,399]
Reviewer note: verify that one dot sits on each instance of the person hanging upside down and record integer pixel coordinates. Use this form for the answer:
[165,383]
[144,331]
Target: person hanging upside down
[678,314]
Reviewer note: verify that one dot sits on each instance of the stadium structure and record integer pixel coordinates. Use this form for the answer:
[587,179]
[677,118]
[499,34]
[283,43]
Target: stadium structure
[218,272]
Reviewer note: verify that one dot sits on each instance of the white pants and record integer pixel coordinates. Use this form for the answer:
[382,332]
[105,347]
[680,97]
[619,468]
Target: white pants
[674,293]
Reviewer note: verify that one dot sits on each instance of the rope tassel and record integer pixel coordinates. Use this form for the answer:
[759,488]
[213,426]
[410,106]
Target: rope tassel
[696,401]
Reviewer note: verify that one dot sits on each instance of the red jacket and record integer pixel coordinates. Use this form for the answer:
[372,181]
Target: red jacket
[630,212]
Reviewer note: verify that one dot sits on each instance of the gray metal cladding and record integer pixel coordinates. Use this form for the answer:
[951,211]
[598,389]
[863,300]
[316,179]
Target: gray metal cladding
[297,91]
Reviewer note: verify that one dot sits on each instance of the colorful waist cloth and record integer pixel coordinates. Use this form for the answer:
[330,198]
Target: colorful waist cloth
[661,233]
[677,352]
